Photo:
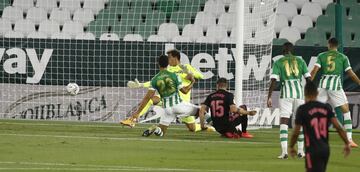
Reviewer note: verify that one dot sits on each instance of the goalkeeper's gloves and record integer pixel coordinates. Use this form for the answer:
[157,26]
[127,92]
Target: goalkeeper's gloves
[135,84]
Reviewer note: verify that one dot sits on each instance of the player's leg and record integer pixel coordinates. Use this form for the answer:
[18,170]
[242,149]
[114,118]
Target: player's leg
[310,162]
[244,124]
[326,156]
[300,140]
[338,99]
[323,95]
[186,112]
[285,113]
[237,120]
[316,161]
[165,121]
[131,121]
[190,123]
[231,130]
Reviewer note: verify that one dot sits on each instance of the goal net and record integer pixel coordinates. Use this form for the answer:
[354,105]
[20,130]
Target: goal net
[102,44]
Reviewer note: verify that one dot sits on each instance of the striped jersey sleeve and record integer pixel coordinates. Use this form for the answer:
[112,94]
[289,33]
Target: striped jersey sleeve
[305,71]
[318,60]
[346,64]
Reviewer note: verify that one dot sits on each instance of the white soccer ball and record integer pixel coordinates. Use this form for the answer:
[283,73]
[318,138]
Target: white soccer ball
[158,132]
[72,88]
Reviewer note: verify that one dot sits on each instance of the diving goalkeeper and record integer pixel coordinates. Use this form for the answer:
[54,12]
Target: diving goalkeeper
[185,72]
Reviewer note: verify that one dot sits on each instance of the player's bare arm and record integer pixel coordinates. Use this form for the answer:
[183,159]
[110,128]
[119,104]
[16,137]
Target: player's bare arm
[353,76]
[314,71]
[241,111]
[202,112]
[271,89]
[342,134]
[293,140]
[186,89]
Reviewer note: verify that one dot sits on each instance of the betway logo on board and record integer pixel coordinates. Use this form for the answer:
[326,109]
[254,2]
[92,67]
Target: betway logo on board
[16,63]
[204,62]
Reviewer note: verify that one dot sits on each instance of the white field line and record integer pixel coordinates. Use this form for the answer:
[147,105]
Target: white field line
[90,167]
[241,141]
[97,125]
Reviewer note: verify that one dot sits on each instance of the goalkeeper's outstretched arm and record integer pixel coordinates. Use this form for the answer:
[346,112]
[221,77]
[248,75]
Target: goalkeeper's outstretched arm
[137,84]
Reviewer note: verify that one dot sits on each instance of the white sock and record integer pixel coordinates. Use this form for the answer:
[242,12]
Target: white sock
[348,125]
[300,142]
[284,138]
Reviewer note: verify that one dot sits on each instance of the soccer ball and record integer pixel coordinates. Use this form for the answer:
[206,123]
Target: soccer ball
[158,132]
[72,88]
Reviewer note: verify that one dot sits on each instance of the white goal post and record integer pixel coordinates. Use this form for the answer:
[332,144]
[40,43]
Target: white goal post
[102,44]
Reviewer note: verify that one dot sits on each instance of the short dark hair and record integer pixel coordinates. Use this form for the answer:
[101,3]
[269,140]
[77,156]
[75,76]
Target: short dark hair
[311,89]
[333,42]
[174,53]
[288,48]
[222,82]
[163,61]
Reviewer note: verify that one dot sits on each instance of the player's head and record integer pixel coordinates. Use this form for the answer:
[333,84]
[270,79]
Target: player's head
[311,91]
[163,61]
[333,43]
[174,57]
[222,84]
[288,48]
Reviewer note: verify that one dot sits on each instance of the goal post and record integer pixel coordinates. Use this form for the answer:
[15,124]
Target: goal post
[239,51]
[103,45]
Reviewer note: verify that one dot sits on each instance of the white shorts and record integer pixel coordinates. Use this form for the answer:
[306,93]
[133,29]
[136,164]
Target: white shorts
[180,110]
[288,106]
[335,98]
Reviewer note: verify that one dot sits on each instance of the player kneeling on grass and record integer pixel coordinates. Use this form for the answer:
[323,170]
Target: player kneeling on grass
[168,85]
[315,118]
[185,72]
[224,113]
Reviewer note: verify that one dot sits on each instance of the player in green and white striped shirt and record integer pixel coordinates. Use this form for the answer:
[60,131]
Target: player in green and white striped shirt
[332,64]
[289,70]
[168,85]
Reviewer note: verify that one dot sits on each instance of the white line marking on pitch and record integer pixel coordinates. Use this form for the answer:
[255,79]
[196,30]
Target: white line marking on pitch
[137,139]
[97,125]
[90,167]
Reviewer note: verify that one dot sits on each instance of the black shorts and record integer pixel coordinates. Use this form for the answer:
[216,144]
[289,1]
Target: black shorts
[316,161]
[231,125]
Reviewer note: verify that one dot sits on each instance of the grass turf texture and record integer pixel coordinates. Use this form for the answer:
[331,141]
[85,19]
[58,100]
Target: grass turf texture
[71,146]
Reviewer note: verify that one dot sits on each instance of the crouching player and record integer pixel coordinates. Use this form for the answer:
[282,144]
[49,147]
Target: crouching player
[168,85]
[315,118]
[224,113]
[185,72]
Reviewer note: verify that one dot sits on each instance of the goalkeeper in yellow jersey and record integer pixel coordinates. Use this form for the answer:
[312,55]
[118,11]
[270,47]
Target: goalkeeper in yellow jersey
[185,72]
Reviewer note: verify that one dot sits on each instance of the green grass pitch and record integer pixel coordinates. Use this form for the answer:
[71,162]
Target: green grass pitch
[41,146]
